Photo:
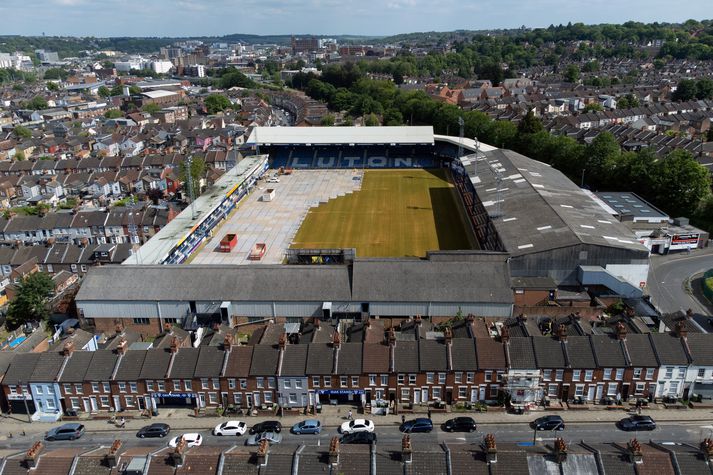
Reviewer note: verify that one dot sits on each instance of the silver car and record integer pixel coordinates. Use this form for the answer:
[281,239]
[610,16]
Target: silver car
[271,437]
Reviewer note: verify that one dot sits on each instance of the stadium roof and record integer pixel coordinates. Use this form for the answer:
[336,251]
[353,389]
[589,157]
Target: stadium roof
[540,208]
[421,135]
[157,94]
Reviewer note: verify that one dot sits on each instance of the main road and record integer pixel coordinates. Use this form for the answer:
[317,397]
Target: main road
[667,278]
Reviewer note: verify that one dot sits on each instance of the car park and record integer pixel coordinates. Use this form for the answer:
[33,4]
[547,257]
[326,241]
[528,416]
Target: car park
[266,426]
[154,430]
[270,437]
[309,426]
[65,432]
[193,439]
[420,424]
[230,428]
[358,438]
[637,423]
[460,424]
[548,423]
[357,425]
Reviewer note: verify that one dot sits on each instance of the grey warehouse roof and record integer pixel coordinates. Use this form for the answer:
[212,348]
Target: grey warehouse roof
[540,208]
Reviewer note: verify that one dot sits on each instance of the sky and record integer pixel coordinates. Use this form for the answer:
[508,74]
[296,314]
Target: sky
[323,17]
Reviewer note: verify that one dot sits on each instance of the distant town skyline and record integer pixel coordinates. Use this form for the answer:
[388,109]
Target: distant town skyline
[321,17]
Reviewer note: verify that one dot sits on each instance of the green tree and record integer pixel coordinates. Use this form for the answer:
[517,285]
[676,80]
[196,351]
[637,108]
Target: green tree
[571,74]
[113,114]
[215,103]
[56,73]
[393,117]
[37,103]
[371,120]
[104,91]
[134,90]
[51,86]
[593,107]
[151,108]
[685,91]
[602,156]
[30,302]
[20,155]
[628,101]
[529,124]
[680,183]
[327,120]
[22,132]
[198,169]
[704,88]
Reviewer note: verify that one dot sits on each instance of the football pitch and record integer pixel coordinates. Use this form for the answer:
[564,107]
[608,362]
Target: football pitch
[397,213]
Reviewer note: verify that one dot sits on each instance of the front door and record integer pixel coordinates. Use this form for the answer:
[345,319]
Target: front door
[481,396]
[590,392]
[93,403]
[417,396]
[256,398]
[600,392]
[117,403]
[87,405]
[473,395]
[201,400]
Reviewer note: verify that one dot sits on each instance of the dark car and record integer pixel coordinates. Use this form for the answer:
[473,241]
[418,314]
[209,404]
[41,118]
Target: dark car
[460,424]
[65,432]
[266,426]
[637,423]
[358,438]
[154,430]
[420,424]
[549,423]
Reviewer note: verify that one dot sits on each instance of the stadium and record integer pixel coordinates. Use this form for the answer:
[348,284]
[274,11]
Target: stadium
[357,222]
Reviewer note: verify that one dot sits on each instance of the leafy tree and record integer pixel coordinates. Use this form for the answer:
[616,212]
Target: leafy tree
[628,101]
[197,171]
[134,90]
[22,132]
[235,79]
[327,120]
[56,73]
[529,124]
[37,103]
[215,103]
[20,155]
[593,107]
[104,91]
[30,303]
[371,120]
[681,183]
[117,90]
[393,117]
[602,156]
[151,108]
[51,86]
[685,91]
[571,74]
[704,88]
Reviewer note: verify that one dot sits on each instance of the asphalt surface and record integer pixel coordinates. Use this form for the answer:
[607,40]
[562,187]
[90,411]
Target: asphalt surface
[692,432]
[667,278]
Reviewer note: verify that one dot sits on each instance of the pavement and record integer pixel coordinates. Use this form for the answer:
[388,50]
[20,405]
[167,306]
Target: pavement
[669,277]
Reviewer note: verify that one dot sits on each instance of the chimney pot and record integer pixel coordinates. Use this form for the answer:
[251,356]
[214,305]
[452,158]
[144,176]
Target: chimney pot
[68,348]
[620,331]
[228,341]
[32,454]
[681,329]
[334,451]
[635,451]
[392,337]
[504,334]
[406,450]
[491,450]
[562,332]
[282,342]
[336,339]
[174,345]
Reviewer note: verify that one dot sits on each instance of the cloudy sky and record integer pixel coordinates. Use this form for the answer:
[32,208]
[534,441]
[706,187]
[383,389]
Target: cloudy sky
[325,17]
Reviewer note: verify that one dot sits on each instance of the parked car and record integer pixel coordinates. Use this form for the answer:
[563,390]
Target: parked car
[230,428]
[548,423]
[357,425]
[358,438]
[310,426]
[460,424]
[420,424]
[637,423]
[273,180]
[271,437]
[193,439]
[266,426]
[154,430]
[70,431]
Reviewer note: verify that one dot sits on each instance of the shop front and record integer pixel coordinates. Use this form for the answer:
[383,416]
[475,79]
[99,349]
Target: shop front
[173,399]
[354,397]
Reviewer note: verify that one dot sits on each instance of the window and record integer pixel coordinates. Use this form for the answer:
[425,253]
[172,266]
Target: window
[637,373]
[669,373]
[430,377]
[129,401]
[372,380]
[243,383]
[619,374]
[288,384]
[95,387]
[149,385]
[137,321]
[327,381]
[79,389]
[681,371]
[122,387]
[38,389]
[188,384]
[355,381]
[405,394]
[132,387]
[216,383]
[267,396]
[315,381]
[161,385]
[343,380]
[702,373]
[238,399]
[469,377]
[640,388]
[493,391]
[270,382]
[441,378]
[384,380]
[67,388]
[559,374]
[74,401]
[104,401]
[552,390]
[176,384]
[105,387]
[298,384]
[462,392]
[579,390]
[612,389]
[400,378]
[260,383]
[292,398]
[436,391]
[412,379]
[650,373]
[588,374]
[458,377]
[212,398]
[488,376]
[576,375]
[607,374]
[546,375]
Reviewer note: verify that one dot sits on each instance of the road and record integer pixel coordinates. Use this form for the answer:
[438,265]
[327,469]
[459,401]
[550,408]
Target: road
[667,276]
[693,432]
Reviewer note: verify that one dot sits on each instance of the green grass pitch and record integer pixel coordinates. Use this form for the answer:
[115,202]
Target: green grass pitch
[397,213]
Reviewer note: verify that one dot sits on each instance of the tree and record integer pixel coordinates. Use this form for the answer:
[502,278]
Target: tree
[30,302]
[22,132]
[393,117]
[628,101]
[20,155]
[602,156]
[327,120]
[529,124]
[593,107]
[704,88]
[680,183]
[151,108]
[215,103]
[51,86]
[37,103]
[134,90]
[571,74]
[113,114]
[56,73]
[197,173]
[104,91]
[371,120]
[685,91]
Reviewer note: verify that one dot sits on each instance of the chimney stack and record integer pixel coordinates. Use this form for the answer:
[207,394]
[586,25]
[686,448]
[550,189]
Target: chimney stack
[504,334]
[33,454]
[620,331]
[262,452]
[417,320]
[689,314]
[367,323]
[406,450]
[334,452]
[707,449]
[391,337]
[228,341]
[522,318]
[336,339]
[282,342]
[167,327]
[491,450]
[174,345]
[68,348]
[470,318]
[635,451]
[118,328]
[448,335]
[681,329]
[112,456]
[316,324]
[178,456]
[562,332]
[560,450]
[122,346]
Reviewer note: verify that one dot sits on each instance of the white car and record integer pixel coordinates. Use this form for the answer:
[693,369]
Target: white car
[230,428]
[357,425]
[273,180]
[193,439]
